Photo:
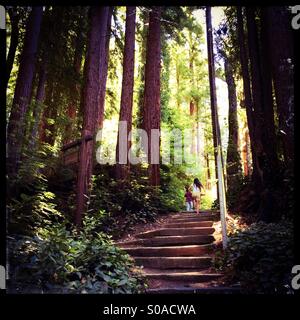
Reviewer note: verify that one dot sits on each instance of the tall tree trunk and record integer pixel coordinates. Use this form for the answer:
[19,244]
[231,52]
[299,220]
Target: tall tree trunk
[193,121]
[75,91]
[15,127]
[233,157]
[248,153]
[44,126]
[103,71]
[141,69]
[39,99]
[261,92]
[281,55]
[254,137]
[151,115]
[177,84]
[198,133]
[14,40]
[122,170]
[52,101]
[213,93]
[267,101]
[193,111]
[207,164]
[94,57]
[261,99]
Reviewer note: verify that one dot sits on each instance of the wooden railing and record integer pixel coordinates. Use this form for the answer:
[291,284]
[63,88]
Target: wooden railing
[70,151]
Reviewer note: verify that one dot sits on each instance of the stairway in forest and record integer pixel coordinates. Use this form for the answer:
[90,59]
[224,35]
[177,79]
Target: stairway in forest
[177,257]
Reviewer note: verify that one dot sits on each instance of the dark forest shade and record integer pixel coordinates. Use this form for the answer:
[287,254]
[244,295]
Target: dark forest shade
[75,91]
[279,44]
[244,60]
[23,89]
[14,40]
[260,94]
[39,99]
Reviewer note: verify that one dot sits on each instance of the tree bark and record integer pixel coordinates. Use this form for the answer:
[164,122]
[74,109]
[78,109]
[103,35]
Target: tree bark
[15,127]
[213,92]
[267,101]
[264,119]
[151,112]
[193,111]
[281,55]
[47,127]
[233,157]
[90,100]
[14,40]
[198,133]
[75,91]
[267,158]
[39,99]
[103,71]
[254,137]
[194,125]
[122,170]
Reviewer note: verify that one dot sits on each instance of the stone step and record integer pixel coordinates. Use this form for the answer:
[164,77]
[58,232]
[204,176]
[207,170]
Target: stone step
[207,212]
[176,232]
[206,290]
[181,275]
[186,224]
[197,217]
[183,251]
[192,219]
[170,240]
[191,213]
[174,262]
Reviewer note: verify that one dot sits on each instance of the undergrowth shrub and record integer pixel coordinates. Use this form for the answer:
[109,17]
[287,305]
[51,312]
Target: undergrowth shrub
[68,260]
[260,257]
[30,204]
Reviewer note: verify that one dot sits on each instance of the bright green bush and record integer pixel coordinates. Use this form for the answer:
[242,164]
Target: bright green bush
[260,258]
[77,261]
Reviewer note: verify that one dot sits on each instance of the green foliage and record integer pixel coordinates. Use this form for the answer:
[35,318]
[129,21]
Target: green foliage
[260,258]
[173,181]
[30,203]
[121,205]
[75,261]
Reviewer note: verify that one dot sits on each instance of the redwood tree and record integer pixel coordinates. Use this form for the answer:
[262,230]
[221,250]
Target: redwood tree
[212,83]
[264,118]
[39,99]
[263,111]
[281,55]
[104,70]
[255,141]
[233,157]
[151,107]
[75,88]
[90,103]
[23,89]
[122,170]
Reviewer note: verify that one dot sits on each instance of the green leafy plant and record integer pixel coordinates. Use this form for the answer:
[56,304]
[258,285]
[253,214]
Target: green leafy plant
[83,261]
[260,257]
